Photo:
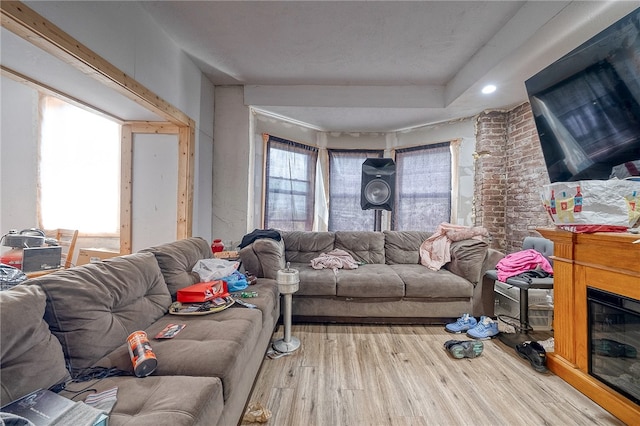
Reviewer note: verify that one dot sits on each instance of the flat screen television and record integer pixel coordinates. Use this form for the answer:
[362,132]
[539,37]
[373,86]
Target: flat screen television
[586,106]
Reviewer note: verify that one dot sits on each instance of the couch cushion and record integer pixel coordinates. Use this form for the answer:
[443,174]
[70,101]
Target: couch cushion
[154,400]
[213,345]
[315,282]
[269,255]
[177,259]
[302,246]
[31,357]
[467,257]
[421,281]
[92,308]
[371,280]
[403,247]
[365,247]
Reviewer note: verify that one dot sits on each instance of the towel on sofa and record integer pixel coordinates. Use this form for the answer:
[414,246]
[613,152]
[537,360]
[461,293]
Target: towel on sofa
[435,250]
[335,259]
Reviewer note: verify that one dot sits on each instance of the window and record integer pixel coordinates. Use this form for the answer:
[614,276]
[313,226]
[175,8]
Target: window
[345,181]
[423,188]
[290,185]
[79,174]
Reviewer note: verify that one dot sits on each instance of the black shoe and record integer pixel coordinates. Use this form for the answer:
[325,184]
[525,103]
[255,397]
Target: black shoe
[535,354]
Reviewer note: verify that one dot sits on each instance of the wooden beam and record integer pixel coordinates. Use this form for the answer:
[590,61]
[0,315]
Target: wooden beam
[41,87]
[153,127]
[26,23]
[126,190]
[186,167]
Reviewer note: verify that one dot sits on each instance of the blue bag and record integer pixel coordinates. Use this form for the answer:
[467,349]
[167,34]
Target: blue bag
[236,281]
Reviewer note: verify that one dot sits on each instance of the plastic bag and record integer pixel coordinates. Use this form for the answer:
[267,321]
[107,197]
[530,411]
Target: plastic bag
[214,269]
[236,281]
[10,276]
[590,205]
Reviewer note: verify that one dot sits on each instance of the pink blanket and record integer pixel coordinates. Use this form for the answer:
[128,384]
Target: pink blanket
[335,259]
[521,261]
[435,250]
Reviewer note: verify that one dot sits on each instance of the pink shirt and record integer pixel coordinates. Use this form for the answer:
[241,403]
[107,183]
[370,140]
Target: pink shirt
[521,261]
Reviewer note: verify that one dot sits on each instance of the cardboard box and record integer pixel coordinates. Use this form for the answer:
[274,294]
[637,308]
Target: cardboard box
[88,255]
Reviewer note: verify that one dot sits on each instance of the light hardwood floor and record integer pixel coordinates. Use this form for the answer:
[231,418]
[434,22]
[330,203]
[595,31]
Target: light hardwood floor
[402,375]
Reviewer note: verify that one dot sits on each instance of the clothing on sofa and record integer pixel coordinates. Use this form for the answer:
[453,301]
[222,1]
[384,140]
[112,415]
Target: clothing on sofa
[522,261]
[259,233]
[435,251]
[335,259]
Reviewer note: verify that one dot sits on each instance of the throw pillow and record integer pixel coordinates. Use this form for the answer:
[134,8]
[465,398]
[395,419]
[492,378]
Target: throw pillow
[32,357]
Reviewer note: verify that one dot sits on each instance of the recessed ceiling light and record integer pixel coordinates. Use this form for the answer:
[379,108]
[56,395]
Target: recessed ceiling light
[489,88]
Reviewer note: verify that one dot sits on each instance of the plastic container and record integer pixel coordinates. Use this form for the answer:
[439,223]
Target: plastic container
[541,317]
[217,246]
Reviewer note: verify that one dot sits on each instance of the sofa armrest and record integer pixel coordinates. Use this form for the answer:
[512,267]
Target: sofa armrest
[483,293]
[263,258]
[467,257]
[492,259]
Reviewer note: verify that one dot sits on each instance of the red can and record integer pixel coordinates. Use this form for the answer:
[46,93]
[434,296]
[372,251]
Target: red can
[142,356]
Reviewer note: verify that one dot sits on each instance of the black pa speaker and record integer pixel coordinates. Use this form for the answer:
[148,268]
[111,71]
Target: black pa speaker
[378,184]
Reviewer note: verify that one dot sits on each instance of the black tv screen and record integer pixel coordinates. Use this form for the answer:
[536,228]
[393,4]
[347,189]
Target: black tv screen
[586,106]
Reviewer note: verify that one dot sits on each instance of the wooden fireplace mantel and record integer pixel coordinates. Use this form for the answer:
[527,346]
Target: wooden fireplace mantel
[607,261]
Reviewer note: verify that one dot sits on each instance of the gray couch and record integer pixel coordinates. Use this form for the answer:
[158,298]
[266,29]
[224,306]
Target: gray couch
[59,326]
[389,286]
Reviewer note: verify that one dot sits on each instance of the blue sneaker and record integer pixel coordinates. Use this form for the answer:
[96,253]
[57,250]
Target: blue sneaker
[464,323]
[485,329]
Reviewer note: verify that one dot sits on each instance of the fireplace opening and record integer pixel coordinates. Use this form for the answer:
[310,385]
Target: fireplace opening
[614,341]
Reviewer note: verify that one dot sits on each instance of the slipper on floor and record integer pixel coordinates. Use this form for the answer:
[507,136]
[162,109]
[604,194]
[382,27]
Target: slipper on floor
[535,354]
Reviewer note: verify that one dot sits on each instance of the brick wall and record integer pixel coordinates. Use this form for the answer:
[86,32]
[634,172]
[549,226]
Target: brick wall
[526,175]
[489,207]
[509,176]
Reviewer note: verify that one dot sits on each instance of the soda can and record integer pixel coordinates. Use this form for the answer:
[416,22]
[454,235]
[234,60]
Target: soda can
[142,356]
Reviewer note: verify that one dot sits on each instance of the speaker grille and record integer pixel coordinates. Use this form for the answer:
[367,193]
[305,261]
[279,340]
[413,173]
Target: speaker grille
[377,192]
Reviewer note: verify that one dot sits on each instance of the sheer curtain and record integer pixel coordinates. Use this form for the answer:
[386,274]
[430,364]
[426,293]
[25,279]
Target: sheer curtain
[345,176]
[290,185]
[423,188]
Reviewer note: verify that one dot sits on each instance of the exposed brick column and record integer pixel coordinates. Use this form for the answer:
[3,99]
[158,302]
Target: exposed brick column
[526,175]
[490,175]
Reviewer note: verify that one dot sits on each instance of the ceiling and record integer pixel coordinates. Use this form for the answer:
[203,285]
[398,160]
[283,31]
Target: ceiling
[361,66]
[371,66]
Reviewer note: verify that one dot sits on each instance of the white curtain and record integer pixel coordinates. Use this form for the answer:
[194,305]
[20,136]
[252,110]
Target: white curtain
[423,188]
[345,180]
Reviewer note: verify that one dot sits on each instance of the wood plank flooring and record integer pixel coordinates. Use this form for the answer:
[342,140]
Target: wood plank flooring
[402,376]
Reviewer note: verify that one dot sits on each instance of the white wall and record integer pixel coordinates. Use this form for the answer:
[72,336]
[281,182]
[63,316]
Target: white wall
[18,156]
[154,188]
[232,153]
[131,41]
[461,129]
[227,197]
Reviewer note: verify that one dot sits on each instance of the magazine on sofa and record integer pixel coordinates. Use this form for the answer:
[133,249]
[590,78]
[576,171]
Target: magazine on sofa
[45,408]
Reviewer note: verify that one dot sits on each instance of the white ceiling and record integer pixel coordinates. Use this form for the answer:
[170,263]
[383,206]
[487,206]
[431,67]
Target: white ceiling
[374,66]
[361,66]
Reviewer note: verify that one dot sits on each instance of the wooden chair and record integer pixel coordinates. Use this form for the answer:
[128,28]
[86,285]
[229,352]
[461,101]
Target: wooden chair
[67,240]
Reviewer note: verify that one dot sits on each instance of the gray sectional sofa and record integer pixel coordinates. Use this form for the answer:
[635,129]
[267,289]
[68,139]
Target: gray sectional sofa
[61,326]
[390,285]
